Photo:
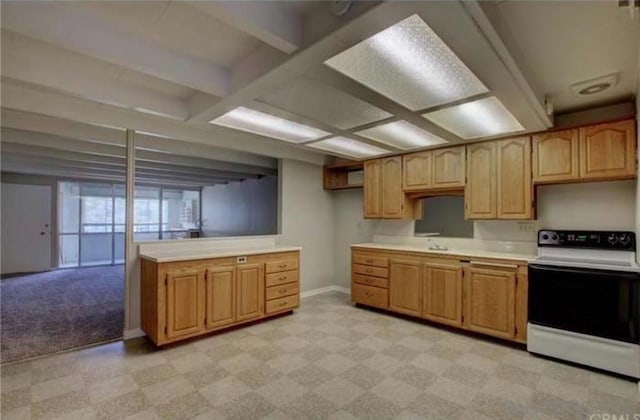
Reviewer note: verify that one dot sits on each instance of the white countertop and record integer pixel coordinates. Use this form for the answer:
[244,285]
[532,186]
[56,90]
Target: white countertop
[201,254]
[471,253]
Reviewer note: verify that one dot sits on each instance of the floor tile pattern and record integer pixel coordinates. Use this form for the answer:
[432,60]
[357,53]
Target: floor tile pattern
[329,360]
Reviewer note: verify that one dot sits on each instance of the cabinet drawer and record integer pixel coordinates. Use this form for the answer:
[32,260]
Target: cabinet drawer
[368,295]
[371,281]
[282,265]
[282,291]
[371,271]
[276,279]
[370,260]
[282,304]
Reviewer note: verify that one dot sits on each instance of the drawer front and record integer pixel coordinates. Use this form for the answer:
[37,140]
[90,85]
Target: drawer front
[283,304]
[282,265]
[276,279]
[371,281]
[368,295]
[371,271]
[282,291]
[371,260]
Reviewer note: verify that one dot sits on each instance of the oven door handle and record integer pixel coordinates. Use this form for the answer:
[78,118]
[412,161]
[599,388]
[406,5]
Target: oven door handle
[492,264]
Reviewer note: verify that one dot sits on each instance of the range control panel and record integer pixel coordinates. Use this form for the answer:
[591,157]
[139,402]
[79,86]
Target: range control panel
[597,239]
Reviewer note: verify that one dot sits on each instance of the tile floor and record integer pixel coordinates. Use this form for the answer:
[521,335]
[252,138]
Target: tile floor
[328,360]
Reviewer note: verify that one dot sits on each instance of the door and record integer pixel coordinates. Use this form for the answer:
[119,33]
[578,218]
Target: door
[405,287]
[185,303]
[480,193]
[594,302]
[26,228]
[514,179]
[608,150]
[392,194]
[442,293]
[249,291]
[372,188]
[490,301]
[449,167]
[221,301]
[555,156]
[417,171]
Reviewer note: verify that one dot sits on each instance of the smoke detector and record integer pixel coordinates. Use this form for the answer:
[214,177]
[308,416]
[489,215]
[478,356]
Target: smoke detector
[593,86]
[340,7]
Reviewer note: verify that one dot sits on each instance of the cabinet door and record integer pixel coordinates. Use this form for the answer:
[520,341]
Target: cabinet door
[185,303]
[442,293]
[449,167]
[607,151]
[405,287]
[249,291]
[220,296]
[490,301]
[480,193]
[373,188]
[417,171]
[514,179]
[392,194]
[555,156]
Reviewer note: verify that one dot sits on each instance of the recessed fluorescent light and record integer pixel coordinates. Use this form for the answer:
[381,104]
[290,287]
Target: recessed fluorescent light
[410,64]
[481,118]
[257,122]
[402,134]
[349,147]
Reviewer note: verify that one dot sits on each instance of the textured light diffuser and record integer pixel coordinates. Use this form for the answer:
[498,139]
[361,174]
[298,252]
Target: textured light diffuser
[410,64]
[402,134]
[481,118]
[348,147]
[268,125]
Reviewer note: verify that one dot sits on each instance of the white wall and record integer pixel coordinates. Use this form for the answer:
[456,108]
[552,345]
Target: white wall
[307,220]
[241,208]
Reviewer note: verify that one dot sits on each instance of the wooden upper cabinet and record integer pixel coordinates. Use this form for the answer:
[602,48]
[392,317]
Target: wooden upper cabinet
[480,193]
[221,305]
[490,301]
[249,291]
[405,287]
[373,188]
[392,195]
[514,179]
[555,156]
[185,302]
[449,167]
[417,171]
[442,293]
[608,151]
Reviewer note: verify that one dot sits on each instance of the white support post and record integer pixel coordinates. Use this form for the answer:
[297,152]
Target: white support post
[129,247]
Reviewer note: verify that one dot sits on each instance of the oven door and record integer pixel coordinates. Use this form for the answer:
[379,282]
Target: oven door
[595,302]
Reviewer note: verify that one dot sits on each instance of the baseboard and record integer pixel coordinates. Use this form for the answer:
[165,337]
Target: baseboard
[322,290]
[132,333]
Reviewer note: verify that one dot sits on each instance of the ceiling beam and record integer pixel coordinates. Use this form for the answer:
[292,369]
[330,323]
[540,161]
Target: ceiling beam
[268,21]
[34,62]
[81,31]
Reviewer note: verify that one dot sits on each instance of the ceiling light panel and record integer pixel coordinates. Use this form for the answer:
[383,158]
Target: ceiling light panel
[324,103]
[410,64]
[402,134]
[268,125]
[348,147]
[481,118]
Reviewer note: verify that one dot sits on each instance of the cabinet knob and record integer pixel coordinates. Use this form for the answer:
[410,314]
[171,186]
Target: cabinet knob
[368,294]
[282,278]
[282,265]
[368,270]
[368,280]
[369,261]
[283,291]
[283,304]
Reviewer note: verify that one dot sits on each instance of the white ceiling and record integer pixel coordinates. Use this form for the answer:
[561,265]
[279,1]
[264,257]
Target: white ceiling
[169,67]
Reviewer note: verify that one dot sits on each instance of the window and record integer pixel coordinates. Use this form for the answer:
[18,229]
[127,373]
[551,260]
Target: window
[165,213]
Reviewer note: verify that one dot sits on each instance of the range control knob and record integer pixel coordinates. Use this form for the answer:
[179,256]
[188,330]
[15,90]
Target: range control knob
[545,236]
[612,239]
[624,239]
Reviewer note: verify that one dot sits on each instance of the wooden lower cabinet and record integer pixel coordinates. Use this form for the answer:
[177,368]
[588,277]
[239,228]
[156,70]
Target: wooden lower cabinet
[490,301]
[405,287]
[180,300]
[442,293]
[487,296]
